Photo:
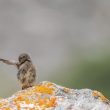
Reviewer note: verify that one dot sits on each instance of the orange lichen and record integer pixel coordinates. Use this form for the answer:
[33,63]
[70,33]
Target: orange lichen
[66,89]
[100,96]
[19,98]
[39,97]
[5,108]
[42,102]
[44,89]
[31,98]
[2,104]
[52,102]
[49,84]
[46,102]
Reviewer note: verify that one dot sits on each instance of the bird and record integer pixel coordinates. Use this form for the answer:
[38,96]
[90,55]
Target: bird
[26,70]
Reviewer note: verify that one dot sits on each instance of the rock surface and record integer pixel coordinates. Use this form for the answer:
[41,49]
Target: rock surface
[49,96]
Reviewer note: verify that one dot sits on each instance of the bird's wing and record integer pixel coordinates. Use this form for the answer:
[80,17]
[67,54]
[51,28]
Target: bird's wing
[9,62]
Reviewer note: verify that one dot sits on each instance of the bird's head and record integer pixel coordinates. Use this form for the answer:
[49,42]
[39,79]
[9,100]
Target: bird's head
[23,57]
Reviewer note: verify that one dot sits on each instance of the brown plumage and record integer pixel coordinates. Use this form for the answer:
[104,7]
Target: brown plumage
[26,70]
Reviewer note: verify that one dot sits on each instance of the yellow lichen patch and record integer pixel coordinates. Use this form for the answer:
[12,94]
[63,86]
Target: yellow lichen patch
[2,104]
[66,90]
[31,99]
[100,96]
[52,102]
[6,109]
[42,101]
[46,102]
[19,98]
[49,84]
[44,89]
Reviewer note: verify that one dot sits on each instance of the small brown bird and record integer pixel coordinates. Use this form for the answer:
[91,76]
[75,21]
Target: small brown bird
[26,70]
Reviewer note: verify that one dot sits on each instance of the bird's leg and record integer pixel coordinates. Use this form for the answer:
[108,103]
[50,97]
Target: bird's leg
[9,62]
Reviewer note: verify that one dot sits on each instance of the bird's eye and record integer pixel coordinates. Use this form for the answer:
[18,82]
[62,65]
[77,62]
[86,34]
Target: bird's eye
[23,56]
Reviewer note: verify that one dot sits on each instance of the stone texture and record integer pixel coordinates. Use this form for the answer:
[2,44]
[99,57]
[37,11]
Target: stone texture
[49,96]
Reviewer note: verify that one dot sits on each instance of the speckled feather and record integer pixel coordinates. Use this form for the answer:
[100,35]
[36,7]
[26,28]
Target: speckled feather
[26,74]
[26,70]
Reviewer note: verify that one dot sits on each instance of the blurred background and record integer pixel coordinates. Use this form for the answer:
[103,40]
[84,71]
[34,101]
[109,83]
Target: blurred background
[68,40]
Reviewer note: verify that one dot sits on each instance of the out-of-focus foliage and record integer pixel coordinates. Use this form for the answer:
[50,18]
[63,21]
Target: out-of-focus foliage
[92,72]
[68,41]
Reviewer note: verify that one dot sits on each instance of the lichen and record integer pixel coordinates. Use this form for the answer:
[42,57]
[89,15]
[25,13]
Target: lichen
[31,98]
[99,95]
[44,89]
[46,102]
[44,96]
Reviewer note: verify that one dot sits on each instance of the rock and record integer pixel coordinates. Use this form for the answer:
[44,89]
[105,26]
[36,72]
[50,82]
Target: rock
[49,96]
